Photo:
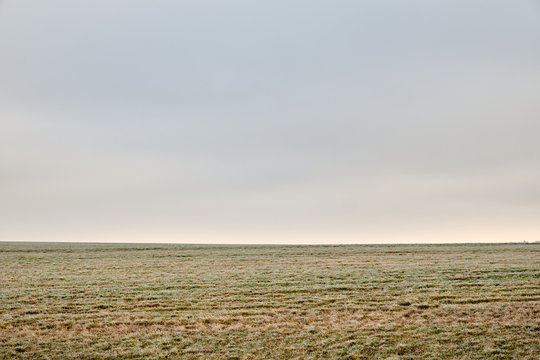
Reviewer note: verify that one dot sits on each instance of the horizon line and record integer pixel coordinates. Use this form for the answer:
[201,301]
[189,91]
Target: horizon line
[266,244]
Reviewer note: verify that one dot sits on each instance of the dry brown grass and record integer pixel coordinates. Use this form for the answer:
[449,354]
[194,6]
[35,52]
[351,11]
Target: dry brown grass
[270,302]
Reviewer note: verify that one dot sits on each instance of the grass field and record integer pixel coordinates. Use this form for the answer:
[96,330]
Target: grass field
[99,301]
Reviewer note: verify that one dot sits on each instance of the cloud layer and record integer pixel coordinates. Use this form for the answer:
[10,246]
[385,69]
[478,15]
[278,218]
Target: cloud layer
[269,121]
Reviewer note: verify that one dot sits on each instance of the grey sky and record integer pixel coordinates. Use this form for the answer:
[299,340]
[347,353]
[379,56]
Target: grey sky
[270,121]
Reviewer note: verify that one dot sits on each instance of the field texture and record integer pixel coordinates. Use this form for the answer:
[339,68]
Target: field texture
[67,301]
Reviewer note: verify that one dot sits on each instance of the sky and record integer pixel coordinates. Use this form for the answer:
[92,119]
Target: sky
[290,122]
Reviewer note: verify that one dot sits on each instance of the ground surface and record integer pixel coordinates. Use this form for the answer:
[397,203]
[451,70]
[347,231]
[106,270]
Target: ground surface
[62,301]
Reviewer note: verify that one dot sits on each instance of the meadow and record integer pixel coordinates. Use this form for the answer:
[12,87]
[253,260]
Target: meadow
[129,301]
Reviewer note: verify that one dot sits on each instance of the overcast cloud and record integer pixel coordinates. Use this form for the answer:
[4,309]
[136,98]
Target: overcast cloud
[270,121]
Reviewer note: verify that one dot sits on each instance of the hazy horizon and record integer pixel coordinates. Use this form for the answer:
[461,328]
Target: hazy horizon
[303,122]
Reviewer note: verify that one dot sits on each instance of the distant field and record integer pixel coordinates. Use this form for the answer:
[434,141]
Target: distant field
[104,301]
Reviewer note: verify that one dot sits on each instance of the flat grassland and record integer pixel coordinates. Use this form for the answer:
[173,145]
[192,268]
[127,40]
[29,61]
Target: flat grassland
[105,301]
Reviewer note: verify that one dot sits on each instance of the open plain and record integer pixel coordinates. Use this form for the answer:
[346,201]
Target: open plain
[129,301]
